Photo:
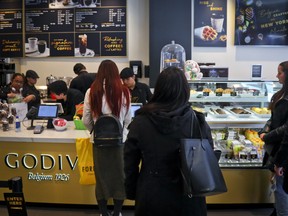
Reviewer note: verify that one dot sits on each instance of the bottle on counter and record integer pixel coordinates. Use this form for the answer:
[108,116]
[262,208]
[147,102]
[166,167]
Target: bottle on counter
[17,124]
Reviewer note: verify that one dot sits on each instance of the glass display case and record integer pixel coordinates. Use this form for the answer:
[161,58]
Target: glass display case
[172,55]
[235,111]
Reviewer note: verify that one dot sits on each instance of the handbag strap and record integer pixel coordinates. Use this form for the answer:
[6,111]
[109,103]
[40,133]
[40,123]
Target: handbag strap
[194,121]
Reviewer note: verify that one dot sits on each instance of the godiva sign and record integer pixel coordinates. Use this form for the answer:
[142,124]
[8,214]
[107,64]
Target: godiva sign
[45,162]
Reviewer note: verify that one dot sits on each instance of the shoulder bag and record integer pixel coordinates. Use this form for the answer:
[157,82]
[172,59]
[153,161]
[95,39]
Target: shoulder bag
[200,170]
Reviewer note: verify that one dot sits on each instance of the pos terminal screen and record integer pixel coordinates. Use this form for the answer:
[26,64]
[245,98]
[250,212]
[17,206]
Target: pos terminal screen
[47,111]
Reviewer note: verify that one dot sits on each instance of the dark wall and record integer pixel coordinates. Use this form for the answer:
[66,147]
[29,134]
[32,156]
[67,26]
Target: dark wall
[169,20]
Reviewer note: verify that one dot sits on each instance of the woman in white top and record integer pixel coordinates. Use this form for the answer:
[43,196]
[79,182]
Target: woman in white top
[107,95]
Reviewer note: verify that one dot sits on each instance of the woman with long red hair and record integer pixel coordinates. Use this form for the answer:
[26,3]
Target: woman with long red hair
[107,95]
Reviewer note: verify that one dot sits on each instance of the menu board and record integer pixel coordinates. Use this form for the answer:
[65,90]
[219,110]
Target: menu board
[60,28]
[262,22]
[11,28]
[210,23]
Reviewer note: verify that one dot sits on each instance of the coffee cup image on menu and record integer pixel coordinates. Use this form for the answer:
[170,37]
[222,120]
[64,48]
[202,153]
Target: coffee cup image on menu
[33,41]
[42,45]
[217,21]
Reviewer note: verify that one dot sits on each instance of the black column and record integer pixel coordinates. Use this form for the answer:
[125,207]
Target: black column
[169,20]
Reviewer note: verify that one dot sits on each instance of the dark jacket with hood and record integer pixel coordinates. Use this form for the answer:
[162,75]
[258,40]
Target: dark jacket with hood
[153,141]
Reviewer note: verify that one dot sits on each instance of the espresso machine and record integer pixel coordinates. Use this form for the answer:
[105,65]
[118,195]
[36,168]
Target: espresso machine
[6,72]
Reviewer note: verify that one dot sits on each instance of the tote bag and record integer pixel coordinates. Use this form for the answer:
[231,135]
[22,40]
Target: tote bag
[200,170]
[84,151]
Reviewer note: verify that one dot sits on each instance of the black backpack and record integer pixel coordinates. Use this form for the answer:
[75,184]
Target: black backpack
[108,131]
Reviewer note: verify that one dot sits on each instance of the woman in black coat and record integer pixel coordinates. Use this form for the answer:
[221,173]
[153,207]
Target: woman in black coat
[153,144]
[272,134]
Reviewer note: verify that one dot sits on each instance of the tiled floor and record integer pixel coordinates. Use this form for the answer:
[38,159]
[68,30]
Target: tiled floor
[89,211]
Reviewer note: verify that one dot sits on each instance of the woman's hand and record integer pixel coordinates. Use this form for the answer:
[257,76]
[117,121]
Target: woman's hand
[262,136]
[278,170]
[11,95]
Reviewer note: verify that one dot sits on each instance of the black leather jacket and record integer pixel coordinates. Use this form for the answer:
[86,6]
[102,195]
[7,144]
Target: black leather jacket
[276,126]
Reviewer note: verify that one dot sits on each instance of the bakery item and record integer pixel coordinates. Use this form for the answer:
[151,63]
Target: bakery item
[206,33]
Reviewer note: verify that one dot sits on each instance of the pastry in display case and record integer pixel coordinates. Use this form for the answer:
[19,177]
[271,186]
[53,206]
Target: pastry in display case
[235,112]
[172,55]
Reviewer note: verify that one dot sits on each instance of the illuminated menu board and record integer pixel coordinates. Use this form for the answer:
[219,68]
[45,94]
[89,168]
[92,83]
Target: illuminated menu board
[60,28]
[262,22]
[11,28]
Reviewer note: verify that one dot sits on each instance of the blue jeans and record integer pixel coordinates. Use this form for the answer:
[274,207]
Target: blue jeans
[281,198]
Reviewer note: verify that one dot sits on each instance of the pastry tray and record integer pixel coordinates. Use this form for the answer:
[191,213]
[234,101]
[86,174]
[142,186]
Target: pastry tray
[216,114]
[260,115]
[248,115]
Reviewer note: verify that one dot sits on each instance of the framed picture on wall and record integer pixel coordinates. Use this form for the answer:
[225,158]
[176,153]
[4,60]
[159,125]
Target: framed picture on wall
[210,23]
[261,22]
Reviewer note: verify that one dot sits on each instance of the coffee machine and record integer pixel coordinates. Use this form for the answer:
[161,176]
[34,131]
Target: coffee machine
[6,72]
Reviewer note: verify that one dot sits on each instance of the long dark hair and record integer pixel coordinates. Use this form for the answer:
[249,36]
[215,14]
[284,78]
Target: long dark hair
[283,92]
[171,91]
[108,83]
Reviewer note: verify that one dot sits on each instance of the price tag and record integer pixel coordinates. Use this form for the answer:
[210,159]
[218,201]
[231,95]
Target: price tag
[205,93]
[219,93]
[233,94]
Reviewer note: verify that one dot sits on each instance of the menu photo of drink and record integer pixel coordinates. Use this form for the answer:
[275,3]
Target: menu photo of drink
[210,23]
[87,45]
[37,45]
[261,22]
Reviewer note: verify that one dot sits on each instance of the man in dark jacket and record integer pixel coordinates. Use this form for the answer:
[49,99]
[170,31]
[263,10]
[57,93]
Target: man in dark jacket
[69,98]
[30,93]
[140,92]
[83,80]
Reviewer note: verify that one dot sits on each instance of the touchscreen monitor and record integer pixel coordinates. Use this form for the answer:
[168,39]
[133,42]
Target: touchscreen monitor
[60,107]
[47,111]
[134,107]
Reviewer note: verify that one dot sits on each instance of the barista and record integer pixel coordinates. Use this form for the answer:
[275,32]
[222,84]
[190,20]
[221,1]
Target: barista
[30,93]
[83,80]
[140,92]
[12,93]
[69,98]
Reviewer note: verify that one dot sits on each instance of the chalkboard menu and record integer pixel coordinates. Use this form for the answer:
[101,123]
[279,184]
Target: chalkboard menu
[262,22]
[62,28]
[11,28]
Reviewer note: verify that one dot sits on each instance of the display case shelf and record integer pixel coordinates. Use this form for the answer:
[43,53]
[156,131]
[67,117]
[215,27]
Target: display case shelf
[225,96]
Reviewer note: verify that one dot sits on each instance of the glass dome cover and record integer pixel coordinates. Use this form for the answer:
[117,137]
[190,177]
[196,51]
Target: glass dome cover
[172,55]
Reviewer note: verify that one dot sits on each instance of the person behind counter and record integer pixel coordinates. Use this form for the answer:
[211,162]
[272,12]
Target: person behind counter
[140,92]
[68,97]
[154,141]
[108,95]
[30,93]
[83,80]
[272,134]
[12,93]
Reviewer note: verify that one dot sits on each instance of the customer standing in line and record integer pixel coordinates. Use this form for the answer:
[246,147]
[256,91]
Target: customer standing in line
[272,134]
[108,95]
[154,141]
[140,92]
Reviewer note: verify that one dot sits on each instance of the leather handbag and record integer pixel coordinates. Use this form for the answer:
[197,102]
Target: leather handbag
[200,170]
